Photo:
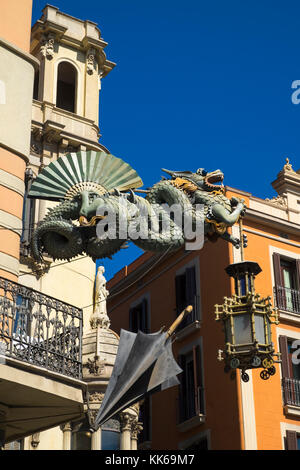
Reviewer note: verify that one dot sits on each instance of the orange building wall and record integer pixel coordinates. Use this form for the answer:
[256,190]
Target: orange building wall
[221,393]
[15,27]
[267,394]
[224,415]
[15,23]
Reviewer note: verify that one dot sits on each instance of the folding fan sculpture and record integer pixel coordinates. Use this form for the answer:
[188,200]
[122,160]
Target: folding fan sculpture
[85,182]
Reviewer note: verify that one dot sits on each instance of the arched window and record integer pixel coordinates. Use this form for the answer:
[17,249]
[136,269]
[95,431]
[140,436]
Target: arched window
[66,87]
[36,85]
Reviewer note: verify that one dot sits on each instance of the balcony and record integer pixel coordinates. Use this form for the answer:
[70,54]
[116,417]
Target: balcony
[40,361]
[55,124]
[291,396]
[288,302]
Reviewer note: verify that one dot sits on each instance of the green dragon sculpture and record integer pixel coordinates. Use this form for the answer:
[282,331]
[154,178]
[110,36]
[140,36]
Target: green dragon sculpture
[90,185]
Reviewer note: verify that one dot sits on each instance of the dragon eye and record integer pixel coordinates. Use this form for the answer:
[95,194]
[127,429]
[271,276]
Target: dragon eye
[201,172]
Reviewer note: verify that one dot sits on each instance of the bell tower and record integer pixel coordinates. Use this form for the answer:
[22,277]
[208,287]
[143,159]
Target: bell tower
[65,115]
[65,119]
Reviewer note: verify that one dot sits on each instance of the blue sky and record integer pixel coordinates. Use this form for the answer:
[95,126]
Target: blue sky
[198,84]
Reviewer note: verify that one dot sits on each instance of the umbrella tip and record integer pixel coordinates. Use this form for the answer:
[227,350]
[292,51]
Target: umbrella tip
[189,309]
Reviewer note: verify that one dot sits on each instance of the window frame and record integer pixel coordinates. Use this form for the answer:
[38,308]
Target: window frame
[145,301]
[196,316]
[196,350]
[276,275]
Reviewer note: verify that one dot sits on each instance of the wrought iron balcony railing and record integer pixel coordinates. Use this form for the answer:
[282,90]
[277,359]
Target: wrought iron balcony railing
[39,330]
[287,299]
[291,391]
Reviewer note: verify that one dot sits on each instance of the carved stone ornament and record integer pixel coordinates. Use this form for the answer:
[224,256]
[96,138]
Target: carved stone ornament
[37,133]
[92,414]
[36,148]
[70,149]
[126,421]
[95,366]
[50,136]
[96,397]
[35,440]
[136,428]
[288,166]
[90,61]
[47,47]
[38,269]
[279,201]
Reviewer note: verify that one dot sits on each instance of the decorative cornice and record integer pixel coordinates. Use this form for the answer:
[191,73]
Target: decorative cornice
[280,201]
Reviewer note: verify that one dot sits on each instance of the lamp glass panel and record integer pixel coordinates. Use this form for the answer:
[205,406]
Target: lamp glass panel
[259,328]
[242,329]
[269,334]
[228,334]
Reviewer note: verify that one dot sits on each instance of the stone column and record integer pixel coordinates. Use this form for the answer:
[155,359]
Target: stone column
[67,434]
[135,430]
[96,440]
[126,421]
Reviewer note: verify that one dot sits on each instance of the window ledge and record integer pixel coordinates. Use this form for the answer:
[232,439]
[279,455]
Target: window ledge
[289,316]
[292,410]
[191,423]
[188,330]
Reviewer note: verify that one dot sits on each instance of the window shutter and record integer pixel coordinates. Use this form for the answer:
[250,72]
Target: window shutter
[145,317]
[195,366]
[198,380]
[131,321]
[285,365]
[190,280]
[277,270]
[182,380]
[291,440]
[180,293]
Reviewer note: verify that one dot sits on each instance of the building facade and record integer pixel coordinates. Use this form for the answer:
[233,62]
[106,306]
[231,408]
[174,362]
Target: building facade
[55,362]
[212,409]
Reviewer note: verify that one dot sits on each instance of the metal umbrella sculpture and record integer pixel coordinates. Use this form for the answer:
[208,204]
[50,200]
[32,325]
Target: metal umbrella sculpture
[144,365]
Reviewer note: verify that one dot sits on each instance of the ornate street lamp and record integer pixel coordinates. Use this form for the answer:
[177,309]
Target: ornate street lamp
[247,320]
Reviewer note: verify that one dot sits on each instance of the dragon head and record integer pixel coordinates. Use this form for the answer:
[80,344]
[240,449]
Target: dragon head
[206,181]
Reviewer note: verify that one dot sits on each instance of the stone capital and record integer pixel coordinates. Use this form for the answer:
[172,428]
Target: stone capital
[126,420]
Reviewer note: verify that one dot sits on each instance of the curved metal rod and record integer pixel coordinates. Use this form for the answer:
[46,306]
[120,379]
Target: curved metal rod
[178,320]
